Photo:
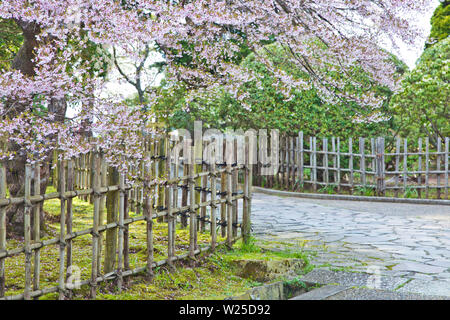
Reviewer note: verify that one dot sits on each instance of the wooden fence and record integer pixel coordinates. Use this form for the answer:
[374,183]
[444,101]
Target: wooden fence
[202,197]
[365,167]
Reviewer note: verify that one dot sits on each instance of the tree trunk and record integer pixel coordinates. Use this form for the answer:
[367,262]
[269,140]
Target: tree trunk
[15,170]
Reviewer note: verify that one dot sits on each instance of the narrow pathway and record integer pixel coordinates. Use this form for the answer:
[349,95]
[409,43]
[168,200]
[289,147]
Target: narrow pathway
[409,244]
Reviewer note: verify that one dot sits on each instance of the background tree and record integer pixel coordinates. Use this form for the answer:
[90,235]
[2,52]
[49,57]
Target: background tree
[440,24]
[422,104]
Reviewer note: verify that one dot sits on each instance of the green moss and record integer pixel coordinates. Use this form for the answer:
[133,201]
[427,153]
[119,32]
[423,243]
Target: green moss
[212,277]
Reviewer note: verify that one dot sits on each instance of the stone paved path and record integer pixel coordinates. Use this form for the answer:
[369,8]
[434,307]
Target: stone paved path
[410,242]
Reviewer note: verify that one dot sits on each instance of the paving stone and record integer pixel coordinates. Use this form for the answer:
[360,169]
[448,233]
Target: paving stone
[418,267]
[441,288]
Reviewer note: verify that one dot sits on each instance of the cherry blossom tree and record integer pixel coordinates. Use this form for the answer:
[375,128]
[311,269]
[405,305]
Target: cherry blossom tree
[200,41]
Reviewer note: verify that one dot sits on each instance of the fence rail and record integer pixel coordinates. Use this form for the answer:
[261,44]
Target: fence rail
[364,166]
[212,188]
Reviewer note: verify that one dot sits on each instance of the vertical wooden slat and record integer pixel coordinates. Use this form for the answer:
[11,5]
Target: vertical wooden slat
[112,209]
[419,178]
[101,219]
[427,166]
[148,212]
[192,211]
[333,150]
[397,164]
[325,161]
[176,164]
[438,167]
[223,186]
[62,234]
[292,153]
[380,166]
[96,168]
[169,197]
[338,163]
[362,163]
[405,165]
[446,166]
[373,162]
[36,226]
[122,204]
[246,219]
[27,231]
[2,227]
[229,161]
[234,182]
[69,220]
[213,199]
[288,163]
[301,159]
[314,165]
[350,163]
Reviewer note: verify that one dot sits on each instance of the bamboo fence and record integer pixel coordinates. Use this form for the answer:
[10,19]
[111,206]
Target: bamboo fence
[88,178]
[409,168]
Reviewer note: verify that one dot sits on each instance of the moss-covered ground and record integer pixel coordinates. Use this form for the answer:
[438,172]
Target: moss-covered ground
[211,276]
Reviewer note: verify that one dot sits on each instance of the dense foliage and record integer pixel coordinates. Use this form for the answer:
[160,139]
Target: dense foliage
[422,105]
[266,107]
[440,24]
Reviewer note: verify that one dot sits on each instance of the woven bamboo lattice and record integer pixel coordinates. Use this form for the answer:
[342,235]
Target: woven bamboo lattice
[182,195]
[328,164]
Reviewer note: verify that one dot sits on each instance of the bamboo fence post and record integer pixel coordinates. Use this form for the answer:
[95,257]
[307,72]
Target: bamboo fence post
[62,242]
[122,204]
[69,221]
[112,209]
[192,211]
[198,158]
[229,192]
[301,161]
[204,185]
[27,232]
[405,165]
[419,178]
[288,163]
[184,192]
[213,183]
[36,226]
[148,211]
[234,183]
[325,161]
[176,173]
[103,183]
[350,163]
[446,166]
[223,185]
[372,166]
[427,166]
[2,227]
[362,163]
[96,168]
[246,219]
[338,146]
[380,166]
[438,168]
[169,197]
[314,166]
[333,148]
[397,165]
[292,155]
[161,167]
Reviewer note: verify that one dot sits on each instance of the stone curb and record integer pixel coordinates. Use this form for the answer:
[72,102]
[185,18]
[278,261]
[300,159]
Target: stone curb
[321,293]
[349,197]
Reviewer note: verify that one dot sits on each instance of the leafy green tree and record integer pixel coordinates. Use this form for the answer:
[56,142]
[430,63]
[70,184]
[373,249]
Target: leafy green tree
[440,24]
[11,40]
[268,107]
[422,105]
